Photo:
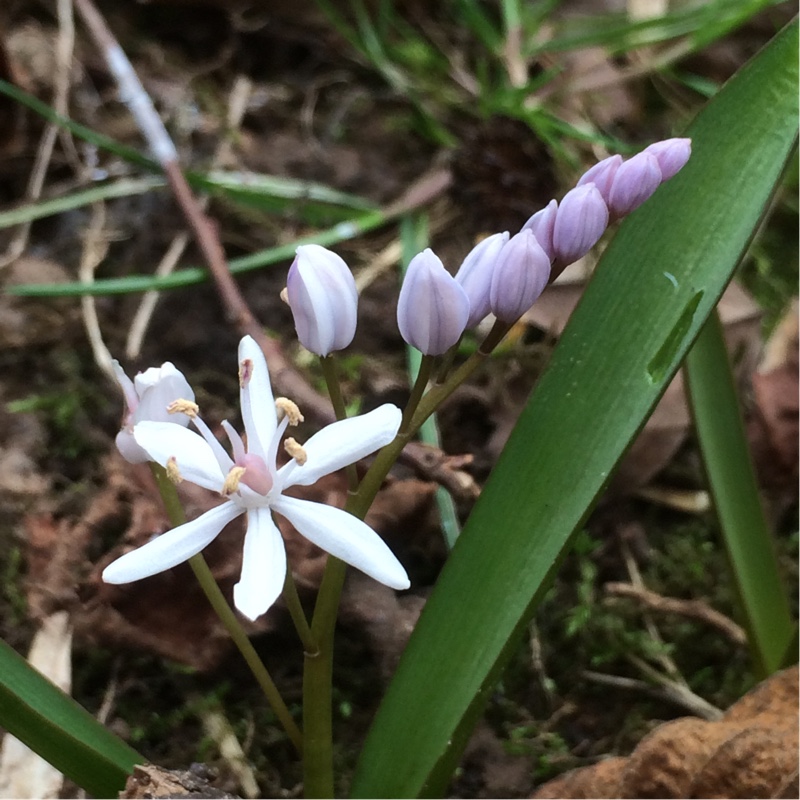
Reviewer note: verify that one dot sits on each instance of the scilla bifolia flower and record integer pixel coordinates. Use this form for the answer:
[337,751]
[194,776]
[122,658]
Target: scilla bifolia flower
[147,397]
[253,485]
[475,275]
[625,185]
[520,275]
[602,175]
[541,225]
[671,154]
[581,219]
[634,182]
[432,309]
[321,292]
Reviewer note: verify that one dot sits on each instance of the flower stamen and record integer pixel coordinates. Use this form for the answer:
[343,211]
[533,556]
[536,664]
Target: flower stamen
[181,406]
[289,409]
[173,473]
[295,450]
[232,481]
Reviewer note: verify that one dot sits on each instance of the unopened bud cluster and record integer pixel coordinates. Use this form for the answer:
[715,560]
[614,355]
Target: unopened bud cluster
[503,274]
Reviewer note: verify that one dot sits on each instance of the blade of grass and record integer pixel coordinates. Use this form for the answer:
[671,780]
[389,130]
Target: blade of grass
[720,432]
[53,725]
[262,191]
[701,24]
[191,276]
[657,282]
[107,191]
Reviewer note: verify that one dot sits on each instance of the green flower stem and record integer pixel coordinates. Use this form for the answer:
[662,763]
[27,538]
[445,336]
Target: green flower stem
[331,375]
[317,675]
[420,384]
[318,664]
[317,686]
[298,615]
[228,618]
[383,462]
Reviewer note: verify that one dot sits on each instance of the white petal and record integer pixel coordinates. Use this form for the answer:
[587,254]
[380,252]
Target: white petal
[155,397]
[263,565]
[255,397]
[343,443]
[194,457]
[128,448]
[346,537]
[171,548]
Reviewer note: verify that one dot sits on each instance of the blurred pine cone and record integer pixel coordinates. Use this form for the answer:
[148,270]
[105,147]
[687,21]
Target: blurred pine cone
[502,173]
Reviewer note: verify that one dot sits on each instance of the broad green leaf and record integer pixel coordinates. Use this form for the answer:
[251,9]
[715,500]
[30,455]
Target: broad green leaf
[745,532]
[52,724]
[657,283]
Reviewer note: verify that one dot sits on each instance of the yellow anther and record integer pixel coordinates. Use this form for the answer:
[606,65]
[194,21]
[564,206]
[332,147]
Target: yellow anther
[295,450]
[286,408]
[232,480]
[285,295]
[181,406]
[173,473]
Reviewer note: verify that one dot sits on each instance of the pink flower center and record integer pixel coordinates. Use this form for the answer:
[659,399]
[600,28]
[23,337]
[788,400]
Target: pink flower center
[256,475]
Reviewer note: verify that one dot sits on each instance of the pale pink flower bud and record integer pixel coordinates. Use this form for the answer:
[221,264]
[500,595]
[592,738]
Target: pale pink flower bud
[541,225]
[475,275]
[322,294]
[433,309]
[602,175]
[147,398]
[581,220]
[635,181]
[520,275]
[671,154]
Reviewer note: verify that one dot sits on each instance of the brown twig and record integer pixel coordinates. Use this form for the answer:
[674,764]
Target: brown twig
[666,690]
[693,609]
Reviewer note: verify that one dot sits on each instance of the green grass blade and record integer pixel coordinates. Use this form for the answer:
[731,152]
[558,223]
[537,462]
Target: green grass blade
[107,191]
[194,275]
[732,479]
[129,154]
[657,283]
[52,724]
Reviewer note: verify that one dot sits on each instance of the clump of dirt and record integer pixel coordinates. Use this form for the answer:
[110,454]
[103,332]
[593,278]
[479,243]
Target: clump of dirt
[750,752]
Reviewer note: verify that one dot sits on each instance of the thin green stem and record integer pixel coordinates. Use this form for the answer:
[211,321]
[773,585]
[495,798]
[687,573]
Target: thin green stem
[438,393]
[226,614]
[318,669]
[317,685]
[318,663]
[420,384]
[331,374]
[298,615]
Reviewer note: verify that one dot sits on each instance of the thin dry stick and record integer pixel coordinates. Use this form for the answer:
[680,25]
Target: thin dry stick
[141,319]
[237,105]
[692,609]
[95,247]
[636,579]
[64,48]
[666,691]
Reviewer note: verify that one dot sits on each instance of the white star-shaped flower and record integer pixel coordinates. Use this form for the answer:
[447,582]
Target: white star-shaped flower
[254,486]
